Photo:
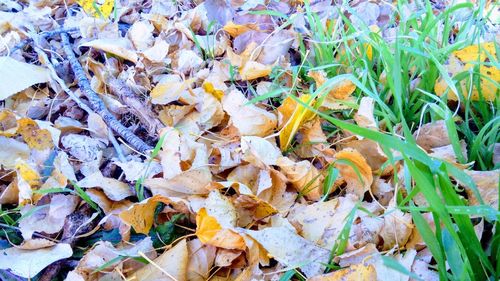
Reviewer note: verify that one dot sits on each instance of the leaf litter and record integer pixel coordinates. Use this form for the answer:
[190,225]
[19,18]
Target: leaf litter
[187,140]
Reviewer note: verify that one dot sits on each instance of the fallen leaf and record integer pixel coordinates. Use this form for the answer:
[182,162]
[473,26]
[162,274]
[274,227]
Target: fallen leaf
[49,218]
[248,118]
[359,178]
[352,273]
[95,9]
[201,260]
[209,231]
[141,215]
[303,176]
[113,188]
[28,263]
[397,228]
[34,137]
[258,151]
[8,123]
[187,183]
[365,117]
[290,249]
[12,150]
[17,76]
[487,185]
[120,47]
[299,116]
[340,91]
[432,135]
[465,60]
[252,70]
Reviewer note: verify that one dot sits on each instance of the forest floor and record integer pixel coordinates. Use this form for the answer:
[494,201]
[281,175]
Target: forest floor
[249,140]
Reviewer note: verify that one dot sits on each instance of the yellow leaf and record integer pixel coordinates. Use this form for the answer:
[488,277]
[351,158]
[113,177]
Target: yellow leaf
[352,273]
[8,123]
[299,117]
[27,173]
[237,29]
[34,137]
[355,184]
[209,231]
[464,60]
[141,215]
[209,88]
[96,9]
[253,70]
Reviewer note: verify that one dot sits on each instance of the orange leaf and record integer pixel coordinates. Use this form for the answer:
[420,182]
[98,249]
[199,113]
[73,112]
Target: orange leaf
[141,215]
[209,231]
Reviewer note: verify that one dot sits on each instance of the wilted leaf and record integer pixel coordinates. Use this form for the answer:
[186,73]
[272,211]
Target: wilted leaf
[35,137]
[16,76]
[113,188]
[354,170]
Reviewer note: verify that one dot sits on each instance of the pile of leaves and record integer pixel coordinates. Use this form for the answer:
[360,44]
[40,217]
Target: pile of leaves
[248,140]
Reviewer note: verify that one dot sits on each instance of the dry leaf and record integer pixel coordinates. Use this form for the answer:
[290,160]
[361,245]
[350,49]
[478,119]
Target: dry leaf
[432,135]
[397,228]
[48,219]
[299,116]
[96,9]
[353,273]
[120,47]
[28,263]
[290,249]
[365,117]
[359,179]
[248,118]
[8,123]
[34,137]
[188,183]
[258,151]
[201,260]
[487,185]
[466,59]
[141,215]
[209,231]
[17,76]
[113,188]
[171,265]
[303,176]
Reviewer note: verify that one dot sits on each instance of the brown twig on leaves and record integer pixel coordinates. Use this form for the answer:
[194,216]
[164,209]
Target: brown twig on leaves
[135,106]
[95,101]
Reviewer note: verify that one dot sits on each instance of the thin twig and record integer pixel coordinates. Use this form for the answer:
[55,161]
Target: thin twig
[95,101]
[77,100]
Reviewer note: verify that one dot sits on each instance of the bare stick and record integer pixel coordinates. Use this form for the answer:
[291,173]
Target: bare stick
[95,101]
[79,102]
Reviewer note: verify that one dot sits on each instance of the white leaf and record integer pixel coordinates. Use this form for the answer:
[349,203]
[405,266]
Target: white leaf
[16,76]
[28,263]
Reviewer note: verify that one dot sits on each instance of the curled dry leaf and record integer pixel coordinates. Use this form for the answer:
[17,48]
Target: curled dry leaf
[397,228]
[365,117]
[340,91]
[303,176]
[28,263]
[354,170]
[248,118]
[201,260]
